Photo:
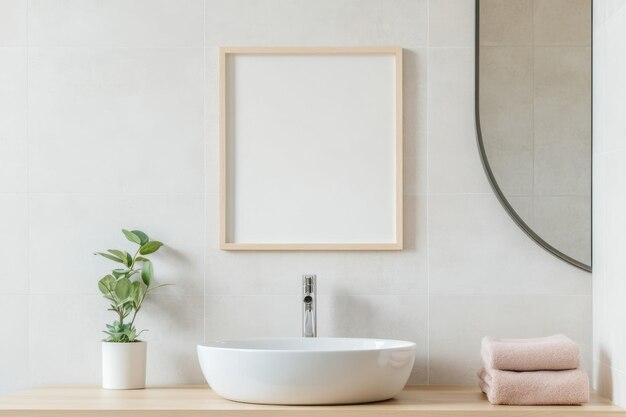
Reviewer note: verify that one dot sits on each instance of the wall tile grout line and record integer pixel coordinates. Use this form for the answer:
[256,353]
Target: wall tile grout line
[204,174]
[327,295]
[533,143]
[114,193]
[427,198]
[147,47]
[28,200]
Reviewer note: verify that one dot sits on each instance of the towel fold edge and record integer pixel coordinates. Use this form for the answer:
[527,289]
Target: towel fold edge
[556,352]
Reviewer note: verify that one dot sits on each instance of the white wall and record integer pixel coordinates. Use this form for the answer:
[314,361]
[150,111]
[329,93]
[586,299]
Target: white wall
[609,199]
[109,121]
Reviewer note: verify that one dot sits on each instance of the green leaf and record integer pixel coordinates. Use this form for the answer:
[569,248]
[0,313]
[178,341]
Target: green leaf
[147,272]
[159,286]
[123,256]
[136,293]
[150,247]
[142,236]
[122,288]
[117,253]
[111,257]
[131,236]
[131,334]
[106,284]
[129,260]
[102,287]
[119,272]
[141,259]
[121,333]
[128,308]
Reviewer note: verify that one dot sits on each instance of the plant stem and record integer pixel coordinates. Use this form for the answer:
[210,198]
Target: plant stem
[134,315]
[117,310]
[130,269]
[138,307]
[132,265]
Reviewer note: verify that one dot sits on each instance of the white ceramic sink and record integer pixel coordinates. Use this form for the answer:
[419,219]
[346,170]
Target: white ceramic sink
[307,370]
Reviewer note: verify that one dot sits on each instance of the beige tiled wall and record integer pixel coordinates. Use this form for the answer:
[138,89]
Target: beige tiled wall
[115,125]
[609,201]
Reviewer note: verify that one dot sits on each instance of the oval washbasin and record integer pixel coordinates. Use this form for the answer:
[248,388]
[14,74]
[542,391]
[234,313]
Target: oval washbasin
[307,370]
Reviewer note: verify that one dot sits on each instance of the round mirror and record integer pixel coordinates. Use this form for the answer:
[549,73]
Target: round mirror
[533,116]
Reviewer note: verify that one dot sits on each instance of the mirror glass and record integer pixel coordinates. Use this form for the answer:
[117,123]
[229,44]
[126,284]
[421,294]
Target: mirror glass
[533,99]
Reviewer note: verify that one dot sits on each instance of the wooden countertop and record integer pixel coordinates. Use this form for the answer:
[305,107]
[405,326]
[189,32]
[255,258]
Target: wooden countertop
[199,400]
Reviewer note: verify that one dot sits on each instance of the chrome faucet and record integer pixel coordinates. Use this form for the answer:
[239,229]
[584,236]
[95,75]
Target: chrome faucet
[309,312]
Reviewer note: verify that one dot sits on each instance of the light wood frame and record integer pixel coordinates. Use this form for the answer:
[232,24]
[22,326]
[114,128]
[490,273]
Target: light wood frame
[396,52]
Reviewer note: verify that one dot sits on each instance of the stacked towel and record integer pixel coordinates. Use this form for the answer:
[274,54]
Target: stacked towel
[535,387]
[537,371]
[552,353]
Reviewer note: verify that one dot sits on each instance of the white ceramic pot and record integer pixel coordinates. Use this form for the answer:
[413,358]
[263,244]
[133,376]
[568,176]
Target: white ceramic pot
[124,365]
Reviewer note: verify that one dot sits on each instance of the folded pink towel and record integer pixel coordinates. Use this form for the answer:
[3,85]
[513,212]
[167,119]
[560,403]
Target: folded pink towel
[544,353]
[535,388]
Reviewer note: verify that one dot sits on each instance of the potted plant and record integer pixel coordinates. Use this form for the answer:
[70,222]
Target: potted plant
[126,288]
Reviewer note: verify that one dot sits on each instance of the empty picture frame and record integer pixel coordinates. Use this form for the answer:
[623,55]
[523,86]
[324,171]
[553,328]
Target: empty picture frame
[311,148]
